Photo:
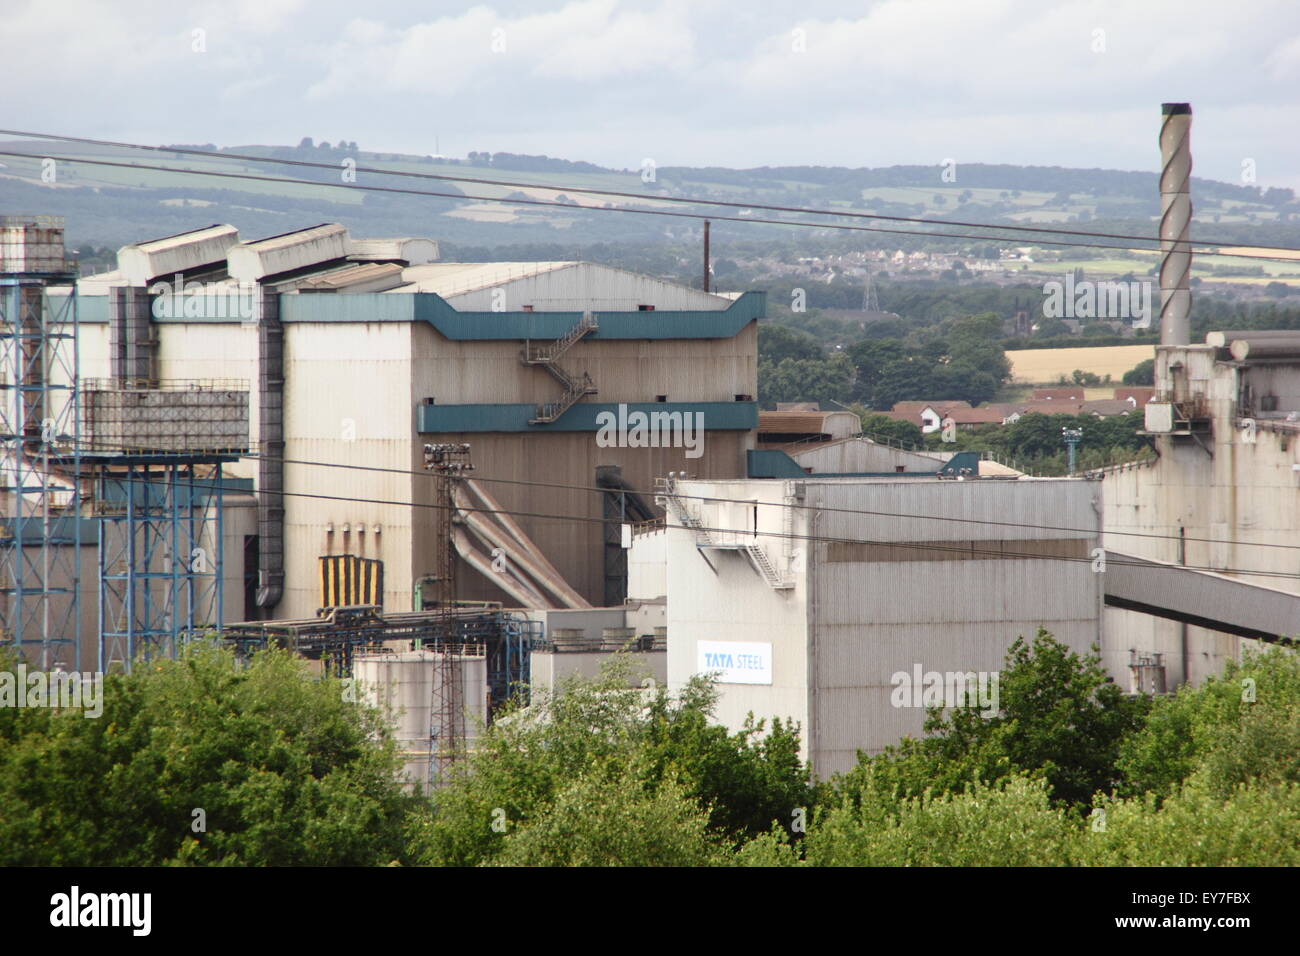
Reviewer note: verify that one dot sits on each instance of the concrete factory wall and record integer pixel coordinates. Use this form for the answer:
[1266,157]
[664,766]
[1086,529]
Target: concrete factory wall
[718,596]
[624,370]
[550,668]
[591,621]
[647,571]
[857,614]
[955,606]
[574,541]
[347,401]
[1245,495]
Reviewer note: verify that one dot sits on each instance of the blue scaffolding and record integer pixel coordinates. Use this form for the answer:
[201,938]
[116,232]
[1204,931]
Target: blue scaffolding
[40,469]
[160,553]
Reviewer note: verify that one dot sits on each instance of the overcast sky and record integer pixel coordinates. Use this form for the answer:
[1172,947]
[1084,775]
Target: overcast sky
[735,84]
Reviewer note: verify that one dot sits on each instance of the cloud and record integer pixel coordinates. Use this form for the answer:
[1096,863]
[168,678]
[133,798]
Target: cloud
[687,81]
[587,41]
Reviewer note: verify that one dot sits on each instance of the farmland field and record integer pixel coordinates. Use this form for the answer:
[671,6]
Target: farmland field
[1044,366]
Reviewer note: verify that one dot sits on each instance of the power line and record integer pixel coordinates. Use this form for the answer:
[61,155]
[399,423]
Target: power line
[609,209]
[595,489]
[710,498]
[918,545]
[588,190]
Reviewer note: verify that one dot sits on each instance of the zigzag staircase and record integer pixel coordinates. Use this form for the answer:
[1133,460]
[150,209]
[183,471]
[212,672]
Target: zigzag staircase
[671,500]
[547,356]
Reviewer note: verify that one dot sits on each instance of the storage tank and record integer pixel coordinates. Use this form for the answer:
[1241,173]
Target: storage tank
[408,687]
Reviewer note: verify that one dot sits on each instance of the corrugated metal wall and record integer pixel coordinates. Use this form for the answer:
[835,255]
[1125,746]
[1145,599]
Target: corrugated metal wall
[948,607]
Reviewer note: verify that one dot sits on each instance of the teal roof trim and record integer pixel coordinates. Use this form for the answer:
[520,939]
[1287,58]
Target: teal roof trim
[771,463]
[582,417]
[962,461]
[660,324]
[481,326]
[774,463]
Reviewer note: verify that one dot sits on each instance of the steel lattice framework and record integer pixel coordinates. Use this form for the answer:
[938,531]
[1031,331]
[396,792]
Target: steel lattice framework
[160,554]
[40,466]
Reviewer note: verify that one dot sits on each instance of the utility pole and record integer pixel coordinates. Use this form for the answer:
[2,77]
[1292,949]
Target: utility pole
[449,463]
[705,285]
[1072,438]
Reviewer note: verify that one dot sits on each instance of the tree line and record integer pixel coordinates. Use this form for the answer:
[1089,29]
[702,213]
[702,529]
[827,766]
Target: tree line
[210,760]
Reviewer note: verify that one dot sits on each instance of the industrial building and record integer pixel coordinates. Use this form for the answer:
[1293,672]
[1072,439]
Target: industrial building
[833,585]
[457,481]
[356,353]
[1223,494]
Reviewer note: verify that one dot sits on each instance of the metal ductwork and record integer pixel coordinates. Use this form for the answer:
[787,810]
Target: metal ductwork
[1175,224]
[528,572]
[131,342]
[622,504]
[270,463]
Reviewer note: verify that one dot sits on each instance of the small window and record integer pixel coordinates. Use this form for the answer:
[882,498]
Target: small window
[744,398]
[898,468]
[528,308]
[661,398]
[645,308]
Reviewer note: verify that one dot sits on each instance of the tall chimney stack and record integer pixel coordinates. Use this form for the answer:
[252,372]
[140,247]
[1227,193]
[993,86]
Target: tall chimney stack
[1175,223]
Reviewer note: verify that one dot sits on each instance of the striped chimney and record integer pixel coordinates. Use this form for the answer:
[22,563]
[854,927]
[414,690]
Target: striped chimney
[1175,223]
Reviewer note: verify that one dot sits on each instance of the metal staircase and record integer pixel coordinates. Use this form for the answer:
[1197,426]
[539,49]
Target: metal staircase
[547,355]
[671,500]
[574,389]
[758,557]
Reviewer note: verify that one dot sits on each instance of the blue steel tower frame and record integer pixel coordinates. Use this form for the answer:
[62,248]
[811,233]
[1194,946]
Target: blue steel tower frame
[40,448]
[161,563]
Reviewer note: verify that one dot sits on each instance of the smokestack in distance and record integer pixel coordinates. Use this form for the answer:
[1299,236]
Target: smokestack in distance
[1175,223]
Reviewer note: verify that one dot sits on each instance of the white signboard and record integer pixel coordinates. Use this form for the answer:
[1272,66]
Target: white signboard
[735,662]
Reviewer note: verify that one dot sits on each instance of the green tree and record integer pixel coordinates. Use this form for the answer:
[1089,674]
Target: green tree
[1252,825]
[610,817]
[1061,717]
[1144,373]
[1007,823]
[777,343]
[881,426]
[283,770]
[587,730]
[1242,726]
[805,380]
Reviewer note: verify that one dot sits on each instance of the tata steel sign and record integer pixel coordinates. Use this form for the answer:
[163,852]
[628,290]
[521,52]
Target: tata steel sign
[735,662]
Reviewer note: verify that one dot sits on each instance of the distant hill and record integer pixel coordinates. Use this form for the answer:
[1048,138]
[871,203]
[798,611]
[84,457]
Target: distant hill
[112,205]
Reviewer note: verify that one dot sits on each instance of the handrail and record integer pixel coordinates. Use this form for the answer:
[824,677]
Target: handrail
[574,388]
